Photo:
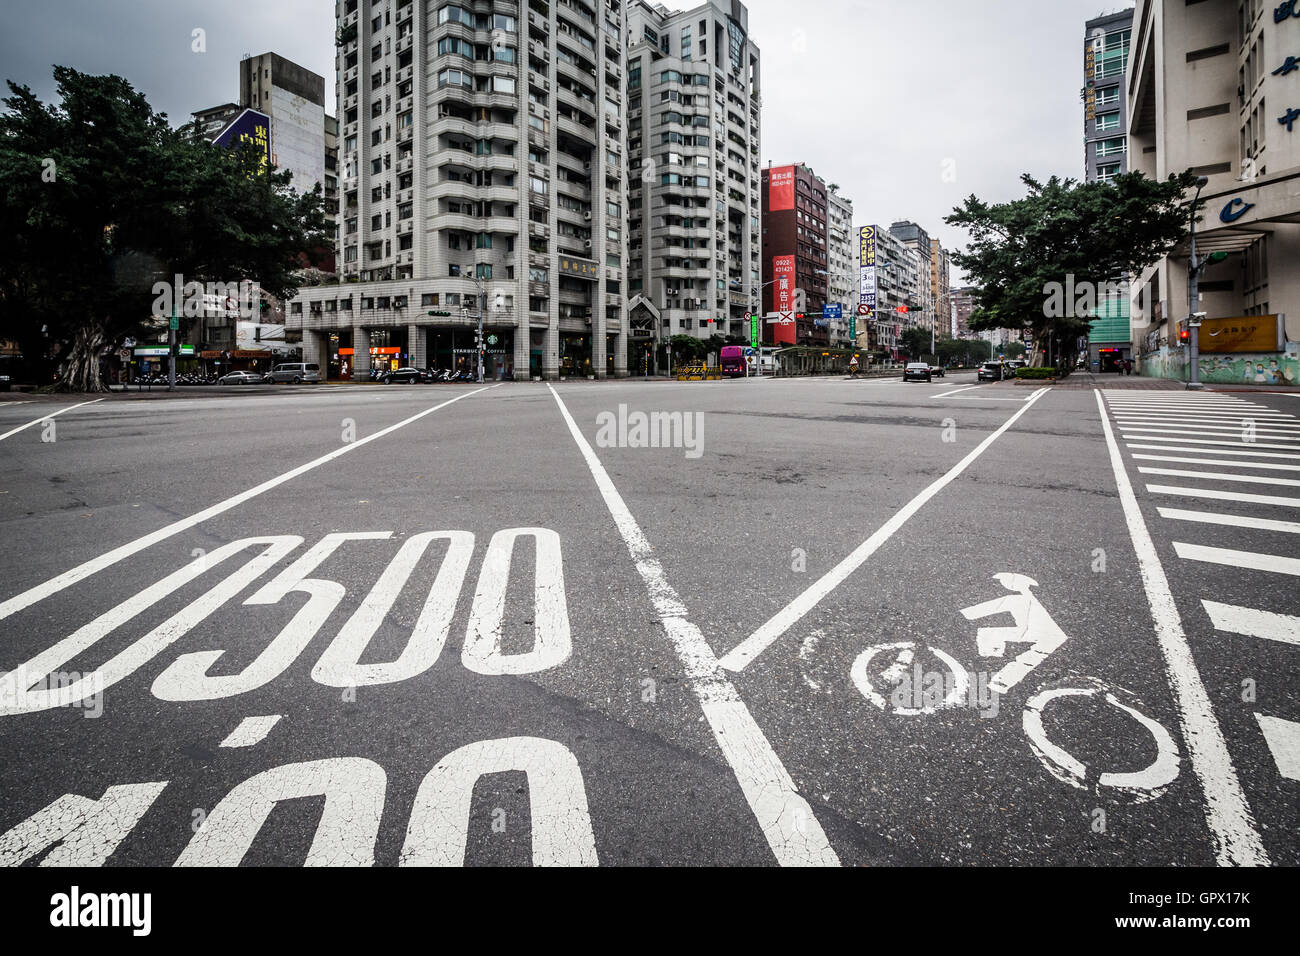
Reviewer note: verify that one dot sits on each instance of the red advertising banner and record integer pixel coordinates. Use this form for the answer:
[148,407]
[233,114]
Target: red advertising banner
[780,188]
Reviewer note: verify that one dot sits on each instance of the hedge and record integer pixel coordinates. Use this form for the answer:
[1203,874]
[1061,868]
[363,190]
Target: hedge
[1035,373]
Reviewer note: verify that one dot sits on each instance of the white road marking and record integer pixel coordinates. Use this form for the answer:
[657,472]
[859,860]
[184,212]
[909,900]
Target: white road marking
[1220,462]
[1216,432]
[1224,495]
[1232,521]
[438,831]
[86,831]
[1272,421]
[353,788]
[1252,560]
[784,816]
[67,578]
[1220,476]
[964,388]
[742,654]
[1204,441]
[1228,815]
[1253,622]
[251,731]
[1145,784]
[1283,739]
[1033,625]
[957,692]
[1213,451]
[1211,428]
[37,421]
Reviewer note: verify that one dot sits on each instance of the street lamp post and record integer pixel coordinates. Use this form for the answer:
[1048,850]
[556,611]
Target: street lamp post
[1193,270]
[481,300]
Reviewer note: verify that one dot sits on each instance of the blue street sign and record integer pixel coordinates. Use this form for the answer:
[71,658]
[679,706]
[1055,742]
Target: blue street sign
[835,311]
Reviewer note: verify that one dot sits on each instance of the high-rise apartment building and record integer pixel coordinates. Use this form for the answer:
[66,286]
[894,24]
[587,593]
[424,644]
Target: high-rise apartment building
[1106,43]
[963,304]
[940,273]
[483,164]
[794,253]
[842,264]
[693,93]
[921,308]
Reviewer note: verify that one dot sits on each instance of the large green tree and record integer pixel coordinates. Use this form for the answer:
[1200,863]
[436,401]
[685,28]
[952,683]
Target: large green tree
[101,199]
[1035,260]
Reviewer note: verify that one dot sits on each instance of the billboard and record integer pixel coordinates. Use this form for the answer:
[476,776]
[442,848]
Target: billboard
[783,287]
[780,189]
[867,257]
[1245,333]
[249,126]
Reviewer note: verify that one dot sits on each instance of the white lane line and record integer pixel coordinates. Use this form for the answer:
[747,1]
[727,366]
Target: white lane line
[251,731]
[1220,476]
[82,571]
[1252,622]
[1194,406]
[37,421]
[1221,462]
[1224,495]
[4,404]
[788,823]
[977,398]
[1232,826]
[1202,441]
[1283,739]
[1212,451]
[743,653]
[1252,560]
[964,388]
[1231,521]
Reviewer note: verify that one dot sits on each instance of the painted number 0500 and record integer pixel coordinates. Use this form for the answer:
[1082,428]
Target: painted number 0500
[187,678]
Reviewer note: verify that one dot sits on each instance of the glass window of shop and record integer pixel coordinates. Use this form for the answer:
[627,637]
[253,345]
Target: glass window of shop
[575,354]
[453,349]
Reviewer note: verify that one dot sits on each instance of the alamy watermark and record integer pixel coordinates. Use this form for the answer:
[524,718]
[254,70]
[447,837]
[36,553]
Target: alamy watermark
[196,299]
[635,429]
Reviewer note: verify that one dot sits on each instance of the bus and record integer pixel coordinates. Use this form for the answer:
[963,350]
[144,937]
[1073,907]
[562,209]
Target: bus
[731,361]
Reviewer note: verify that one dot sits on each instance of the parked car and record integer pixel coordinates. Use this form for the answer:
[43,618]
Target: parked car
[405,376]
[937,370]
[918,371]
[4,383]
[991,372]
[240,378]
[295,372]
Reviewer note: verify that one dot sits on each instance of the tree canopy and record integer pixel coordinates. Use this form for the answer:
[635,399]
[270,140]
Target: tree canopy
[1065,235]
[101,198]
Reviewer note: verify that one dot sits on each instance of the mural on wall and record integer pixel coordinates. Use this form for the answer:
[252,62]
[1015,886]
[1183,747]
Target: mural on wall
[1271,368]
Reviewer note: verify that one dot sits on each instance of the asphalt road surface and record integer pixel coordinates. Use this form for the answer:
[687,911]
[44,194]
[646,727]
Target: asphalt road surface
[745,622]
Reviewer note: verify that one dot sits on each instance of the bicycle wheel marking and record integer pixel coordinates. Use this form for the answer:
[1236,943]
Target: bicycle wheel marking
[1141,785]
[955,691]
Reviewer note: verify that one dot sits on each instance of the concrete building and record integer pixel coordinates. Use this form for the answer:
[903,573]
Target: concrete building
[940,276]
[794,252]
[921,309]
[963,304]
[1106,44]
[1215,86]
[294,97]
[842,264]
[483,160]
[693,91]
[890,286]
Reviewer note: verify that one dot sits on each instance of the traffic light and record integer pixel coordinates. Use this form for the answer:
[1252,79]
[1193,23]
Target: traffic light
[1184,335]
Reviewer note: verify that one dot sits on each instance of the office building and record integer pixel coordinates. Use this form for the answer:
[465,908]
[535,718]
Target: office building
[921,308]
[1215,87]
[842,264]
[940,273]
[794,253]
[1106,43]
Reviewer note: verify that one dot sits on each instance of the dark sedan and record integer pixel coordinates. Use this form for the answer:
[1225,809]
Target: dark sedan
[405,376]
[916,372]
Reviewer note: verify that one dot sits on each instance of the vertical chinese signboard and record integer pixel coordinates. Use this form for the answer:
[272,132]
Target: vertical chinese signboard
[783,298]
[249,126]
[867,257]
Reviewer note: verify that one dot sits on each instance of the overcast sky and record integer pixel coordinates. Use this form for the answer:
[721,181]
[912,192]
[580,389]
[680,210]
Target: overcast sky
[880,96]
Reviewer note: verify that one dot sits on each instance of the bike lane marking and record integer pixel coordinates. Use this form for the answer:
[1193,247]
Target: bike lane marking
[739,657]
[788,823]
[59,582]
[37,421]
[1231,822]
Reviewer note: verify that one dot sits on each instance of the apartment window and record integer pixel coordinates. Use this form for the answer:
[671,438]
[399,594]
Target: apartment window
[1107,171]
[456,78]
[1107,122]
[405,211]
[1112,147]
[376,52]
[503,84]
[455,46]
[454,14]
[538,275]
[1108,96]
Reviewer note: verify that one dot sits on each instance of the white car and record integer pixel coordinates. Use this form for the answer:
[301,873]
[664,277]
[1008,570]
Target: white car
[240,378]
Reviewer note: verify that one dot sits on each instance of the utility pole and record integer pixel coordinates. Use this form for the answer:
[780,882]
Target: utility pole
[480,299]
[171,348]
[1193,321]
